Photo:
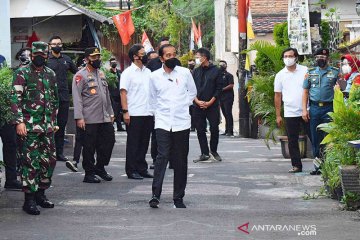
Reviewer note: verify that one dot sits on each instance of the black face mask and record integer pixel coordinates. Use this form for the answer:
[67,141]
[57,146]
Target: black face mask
[171,63]
[144,59]
[222,68]
[113,65]
[39,61]
[191,66]
[24,60]
[56,50]
[321,63]
[95,64]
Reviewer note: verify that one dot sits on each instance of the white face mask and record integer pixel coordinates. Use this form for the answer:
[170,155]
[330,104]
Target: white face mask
[289,61]
[197,61]
[346,69]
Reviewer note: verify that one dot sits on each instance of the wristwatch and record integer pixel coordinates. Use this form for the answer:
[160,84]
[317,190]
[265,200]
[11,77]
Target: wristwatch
[125,111]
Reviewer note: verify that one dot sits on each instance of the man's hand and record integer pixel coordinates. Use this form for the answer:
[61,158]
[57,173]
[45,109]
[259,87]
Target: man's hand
[305,115]
[126,117]
[21,129]
[56,128]
[279,121]
[80,123]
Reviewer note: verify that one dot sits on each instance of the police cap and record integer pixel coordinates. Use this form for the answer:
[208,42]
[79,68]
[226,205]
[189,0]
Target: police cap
[92,51]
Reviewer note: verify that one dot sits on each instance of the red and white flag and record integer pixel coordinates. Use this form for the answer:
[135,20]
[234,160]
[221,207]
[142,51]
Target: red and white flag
[195,30]
[199,42]
[146,43]
[125,26]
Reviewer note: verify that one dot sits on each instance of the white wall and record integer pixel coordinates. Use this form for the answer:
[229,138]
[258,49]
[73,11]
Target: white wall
[229,57]
[5,30]
[69,28]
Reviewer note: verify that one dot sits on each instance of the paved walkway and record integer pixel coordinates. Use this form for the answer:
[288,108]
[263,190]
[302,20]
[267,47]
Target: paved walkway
[251,186]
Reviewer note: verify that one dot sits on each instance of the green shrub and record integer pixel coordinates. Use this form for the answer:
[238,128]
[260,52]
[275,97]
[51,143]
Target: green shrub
[6,77]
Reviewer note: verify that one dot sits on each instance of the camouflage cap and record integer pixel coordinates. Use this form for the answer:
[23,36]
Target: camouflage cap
[40,47]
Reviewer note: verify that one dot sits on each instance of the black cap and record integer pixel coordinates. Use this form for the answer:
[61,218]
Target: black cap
[322,51]
[92,51]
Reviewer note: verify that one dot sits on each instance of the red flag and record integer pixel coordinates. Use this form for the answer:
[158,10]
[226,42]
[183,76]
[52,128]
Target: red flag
[125,26]
[32,38]
[199,39]
[196,32]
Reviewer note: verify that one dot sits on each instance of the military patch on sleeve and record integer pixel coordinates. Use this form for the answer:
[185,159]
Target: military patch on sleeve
[78,78]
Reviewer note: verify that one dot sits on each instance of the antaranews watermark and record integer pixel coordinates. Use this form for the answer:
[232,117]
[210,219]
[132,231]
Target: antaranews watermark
[299,229]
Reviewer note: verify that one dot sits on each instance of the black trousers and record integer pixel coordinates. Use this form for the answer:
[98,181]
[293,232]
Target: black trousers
[137,143]
[226,108]
[99,138]
[8,138]
[79,136]
[191,110]
[176,145]
[293,127]
[62,118]
[154,151]
[117,113]
[212,114]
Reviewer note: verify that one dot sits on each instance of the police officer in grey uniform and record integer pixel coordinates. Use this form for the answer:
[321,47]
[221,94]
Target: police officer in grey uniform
[319,94]
[94,115]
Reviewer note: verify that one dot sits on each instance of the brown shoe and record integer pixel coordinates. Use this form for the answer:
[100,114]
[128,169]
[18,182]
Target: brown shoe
[295,170]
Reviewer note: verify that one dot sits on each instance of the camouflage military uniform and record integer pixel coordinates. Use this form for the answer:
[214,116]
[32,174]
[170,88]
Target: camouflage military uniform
[35,103]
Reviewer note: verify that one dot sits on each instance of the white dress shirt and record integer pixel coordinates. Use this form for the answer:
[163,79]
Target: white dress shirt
[289,84]
[136,83]
[171,94]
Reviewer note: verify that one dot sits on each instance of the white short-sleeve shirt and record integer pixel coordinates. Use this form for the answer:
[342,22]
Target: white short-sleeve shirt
[289,84]
[136,82]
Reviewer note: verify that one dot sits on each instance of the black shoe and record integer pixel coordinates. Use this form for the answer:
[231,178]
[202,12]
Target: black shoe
[223,134]
[178,203]
[152,166]
[154,202]
[121,130]
[135,176]
[30,205]
[230,134]
[13,185]
[146,175]
[72,166]
[91,179]
[202,157]
[216,156]
[315,172]
[61,158]
[42,200]
[104,175]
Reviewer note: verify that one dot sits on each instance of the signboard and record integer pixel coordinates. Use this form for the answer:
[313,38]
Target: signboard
[299,26]
[21,39]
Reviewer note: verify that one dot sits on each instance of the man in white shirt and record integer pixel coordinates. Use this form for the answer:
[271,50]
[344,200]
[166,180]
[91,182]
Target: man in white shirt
[134,91]
[172,91]
[288,88]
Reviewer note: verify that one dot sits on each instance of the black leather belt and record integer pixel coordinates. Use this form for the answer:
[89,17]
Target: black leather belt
[321,104]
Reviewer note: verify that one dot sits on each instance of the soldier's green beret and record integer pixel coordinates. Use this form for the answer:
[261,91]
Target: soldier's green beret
[40,47]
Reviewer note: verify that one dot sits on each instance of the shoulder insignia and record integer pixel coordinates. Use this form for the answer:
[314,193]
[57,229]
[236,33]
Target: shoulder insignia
[311,69]
[78,78]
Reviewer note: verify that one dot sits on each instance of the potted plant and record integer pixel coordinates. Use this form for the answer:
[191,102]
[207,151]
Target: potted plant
[344,127]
